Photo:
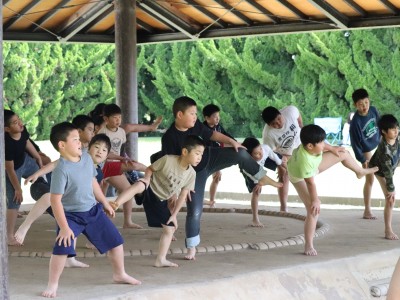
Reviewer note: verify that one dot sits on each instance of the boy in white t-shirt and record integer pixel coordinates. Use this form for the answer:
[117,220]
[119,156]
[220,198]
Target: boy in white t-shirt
[282,134]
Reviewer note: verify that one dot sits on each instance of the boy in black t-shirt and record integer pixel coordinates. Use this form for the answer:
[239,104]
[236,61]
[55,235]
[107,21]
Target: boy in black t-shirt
[18,164]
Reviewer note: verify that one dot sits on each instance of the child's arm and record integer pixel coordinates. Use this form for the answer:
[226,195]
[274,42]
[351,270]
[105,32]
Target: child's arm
[66,235]
[312,191]
[142,128]
[179,203]
[9,164]
[33,152]
[221,138]
[41,172]
[98,194]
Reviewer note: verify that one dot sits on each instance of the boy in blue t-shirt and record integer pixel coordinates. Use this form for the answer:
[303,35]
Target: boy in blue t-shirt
[78,205]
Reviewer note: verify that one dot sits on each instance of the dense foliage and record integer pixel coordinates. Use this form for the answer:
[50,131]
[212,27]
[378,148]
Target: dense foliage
[317,72]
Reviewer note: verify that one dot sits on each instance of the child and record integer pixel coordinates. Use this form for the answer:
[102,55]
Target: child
[386,158]
[212,121]
[282,134]
[364,138]
[17,164]
[74,191]
[314,156]
[170,175]
[85,126]
[214,159]
[265,157]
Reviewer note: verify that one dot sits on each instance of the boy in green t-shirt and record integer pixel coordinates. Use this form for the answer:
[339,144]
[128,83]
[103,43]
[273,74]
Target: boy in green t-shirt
[314,156]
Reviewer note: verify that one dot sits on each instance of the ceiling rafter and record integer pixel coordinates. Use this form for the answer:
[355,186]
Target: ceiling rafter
[207,13]
[341,20]
[356,7]
[265,11]
[47,16]
[390,6]
[98,19]
[145,26]
[293,9]
[237,14]
[18,16]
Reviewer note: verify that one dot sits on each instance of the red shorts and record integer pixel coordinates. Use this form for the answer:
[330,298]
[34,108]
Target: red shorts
[112,168]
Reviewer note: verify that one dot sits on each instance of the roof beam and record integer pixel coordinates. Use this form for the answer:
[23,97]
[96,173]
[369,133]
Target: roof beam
[341,20]
[390,6]
[5,2]
[293,9]
[356,7]
[104,14]
[145,26]
[232,10]
[47,16]
[82,20]
[16,17]
[208,14]
[164,15]
[265,11]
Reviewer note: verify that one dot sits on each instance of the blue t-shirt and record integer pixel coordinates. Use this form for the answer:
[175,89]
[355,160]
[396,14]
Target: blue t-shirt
[74,181]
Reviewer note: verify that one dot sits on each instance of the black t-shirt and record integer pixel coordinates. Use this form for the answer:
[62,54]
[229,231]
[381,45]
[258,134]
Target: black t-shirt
[172,141]
[220,129]
[15,149]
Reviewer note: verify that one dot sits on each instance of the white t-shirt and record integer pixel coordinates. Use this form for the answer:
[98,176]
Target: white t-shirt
[287,138]
[268,153]
[117,138]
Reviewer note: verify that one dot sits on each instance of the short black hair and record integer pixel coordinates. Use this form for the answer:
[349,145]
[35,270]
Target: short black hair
[269,114]
[111,109]
[192,141]
[312,134]
[101,138]
[359,95]
[60,132]
[182,104]
[81,121]
[387,122]
[210,109]
[8,114]
[251,143]
[97,114]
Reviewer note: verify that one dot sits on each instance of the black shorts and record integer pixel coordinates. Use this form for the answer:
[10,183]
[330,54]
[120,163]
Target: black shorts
[157,211]
[38,189]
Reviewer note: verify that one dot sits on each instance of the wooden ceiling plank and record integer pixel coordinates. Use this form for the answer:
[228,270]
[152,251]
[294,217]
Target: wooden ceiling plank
[207,13]
[265,11]
[390,6]
[341,20]
[237,14]
[293,9]
[356,7]
[97,20]
[20,14]
[47,16]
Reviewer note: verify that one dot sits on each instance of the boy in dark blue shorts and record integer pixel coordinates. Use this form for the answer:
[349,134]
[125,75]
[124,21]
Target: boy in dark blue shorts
[74,191]
[169,176]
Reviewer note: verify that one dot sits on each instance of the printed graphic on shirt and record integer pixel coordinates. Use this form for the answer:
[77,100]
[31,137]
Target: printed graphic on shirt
[172,182]
[116,145]
[370,129]
[287,138]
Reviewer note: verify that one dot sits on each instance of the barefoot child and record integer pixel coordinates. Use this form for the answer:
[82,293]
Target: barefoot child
[267,158]
[386,158]
[74,191]
[168,176]
[314,156]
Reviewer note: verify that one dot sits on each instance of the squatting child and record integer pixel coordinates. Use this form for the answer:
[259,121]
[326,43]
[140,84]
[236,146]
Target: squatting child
[386,158]
[168,176]
[74,191]
[314,156]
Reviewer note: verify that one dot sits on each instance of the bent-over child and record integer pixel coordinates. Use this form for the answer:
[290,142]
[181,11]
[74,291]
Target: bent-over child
[168,176]
[386,158]
[312,157]
[74,191]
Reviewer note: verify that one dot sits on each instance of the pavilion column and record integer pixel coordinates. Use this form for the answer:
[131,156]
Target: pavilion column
[126,76]
[3,206]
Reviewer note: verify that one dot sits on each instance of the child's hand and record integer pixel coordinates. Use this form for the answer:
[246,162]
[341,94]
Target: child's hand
[236,145]
[174,221]
[109,209]
[114,205]
[156,123]
[31,179]
[18,196]
[315,207]
[65,236]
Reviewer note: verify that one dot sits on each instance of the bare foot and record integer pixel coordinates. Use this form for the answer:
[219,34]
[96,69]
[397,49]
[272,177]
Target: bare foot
[50,291]
[391,236]
[269,181]
[369,217]
[89,245]
[71,262]
[164,263]
[364,172]
[283,209]
[125,278]
[19,216]
[257,224]
[191,254]
[13,242]
[132,226]
[310,252]
[19,236]
[174,238]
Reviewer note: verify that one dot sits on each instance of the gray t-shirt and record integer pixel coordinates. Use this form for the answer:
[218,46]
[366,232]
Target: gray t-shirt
[74,181]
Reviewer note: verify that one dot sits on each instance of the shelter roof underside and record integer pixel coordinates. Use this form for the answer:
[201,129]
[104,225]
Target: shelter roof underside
[93,21]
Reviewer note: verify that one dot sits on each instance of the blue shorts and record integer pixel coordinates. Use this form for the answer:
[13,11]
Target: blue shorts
[96,226]
[28,168]
[157,211]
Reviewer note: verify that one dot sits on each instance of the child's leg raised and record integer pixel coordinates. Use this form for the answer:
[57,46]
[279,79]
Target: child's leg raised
[57,263]
[254,207]
[127,195]
[12,215]
[387,213]
[116,256]
[165,242]
[311,219]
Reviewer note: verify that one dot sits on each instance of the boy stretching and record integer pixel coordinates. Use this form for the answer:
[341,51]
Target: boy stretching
[169,176]
[267,158]
[214,159]
[365,137]
[74,191]
[314,156]
[386,158]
